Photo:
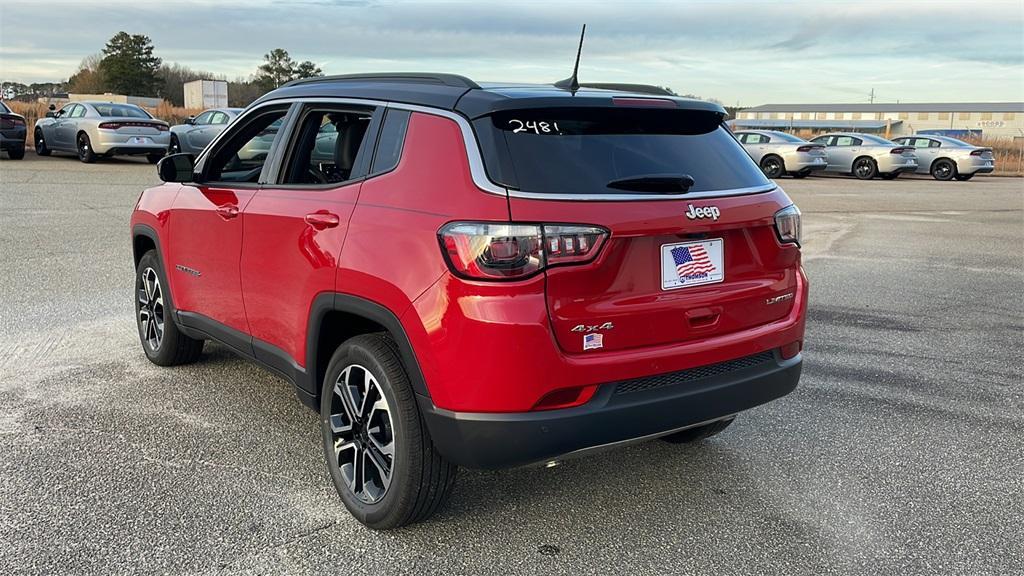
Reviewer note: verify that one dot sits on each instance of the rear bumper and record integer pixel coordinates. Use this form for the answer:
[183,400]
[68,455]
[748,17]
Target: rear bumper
[13,139]
[619,413]
[893,164]
[975,165]
[806,163]
[111,142]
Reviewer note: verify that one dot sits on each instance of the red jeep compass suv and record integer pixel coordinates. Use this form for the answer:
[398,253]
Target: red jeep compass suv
[456,274]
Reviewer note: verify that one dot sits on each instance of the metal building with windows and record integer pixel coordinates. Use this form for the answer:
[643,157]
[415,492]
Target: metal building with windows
[979,119]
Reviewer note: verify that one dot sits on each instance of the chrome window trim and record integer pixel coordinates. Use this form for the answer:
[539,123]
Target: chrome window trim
[475,158]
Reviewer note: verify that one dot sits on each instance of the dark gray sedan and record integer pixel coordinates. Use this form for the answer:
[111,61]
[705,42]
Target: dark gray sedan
[197,133]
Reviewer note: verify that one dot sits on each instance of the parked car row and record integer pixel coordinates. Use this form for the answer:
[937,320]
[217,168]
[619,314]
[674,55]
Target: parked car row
[865,155]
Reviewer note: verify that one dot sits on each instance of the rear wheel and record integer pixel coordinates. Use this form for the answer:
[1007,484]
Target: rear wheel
[964,177]
[85,151]
[773,166]
[890,176]
[379,453]
[16,153]
[943,170]
[163,343]
[698,433]
[41,148]
[865,168]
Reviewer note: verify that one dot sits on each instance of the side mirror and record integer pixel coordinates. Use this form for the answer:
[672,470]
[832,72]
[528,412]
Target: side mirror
[191,120]
[51,114]
[53,107]
[177,168]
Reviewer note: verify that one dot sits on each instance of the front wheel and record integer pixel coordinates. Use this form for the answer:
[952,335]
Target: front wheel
[773,166]
[41,148]
[162,342]
[944,170]
[85,151]
[964,177]
[698,433]
[865,168]
[379,454]
[175,146]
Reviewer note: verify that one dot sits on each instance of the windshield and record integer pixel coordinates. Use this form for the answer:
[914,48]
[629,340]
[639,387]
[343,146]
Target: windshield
[121,111]
[584,150]
[876,140]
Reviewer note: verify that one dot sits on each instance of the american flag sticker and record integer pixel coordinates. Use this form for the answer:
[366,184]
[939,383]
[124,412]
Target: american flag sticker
[691,264]
[593,341]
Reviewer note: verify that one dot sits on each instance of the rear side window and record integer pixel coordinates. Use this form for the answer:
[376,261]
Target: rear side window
[583,150]
[392,138]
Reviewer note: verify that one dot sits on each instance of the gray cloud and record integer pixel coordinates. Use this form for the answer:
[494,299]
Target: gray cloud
[727,51]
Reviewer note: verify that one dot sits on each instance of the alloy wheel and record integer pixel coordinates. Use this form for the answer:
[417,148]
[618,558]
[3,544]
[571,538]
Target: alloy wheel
[943,170]
[863,168]
[151,309]
[175,147]
[363,434]
[83,147]
[772,168]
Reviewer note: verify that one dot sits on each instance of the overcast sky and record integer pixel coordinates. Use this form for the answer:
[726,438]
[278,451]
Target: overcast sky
[746,52]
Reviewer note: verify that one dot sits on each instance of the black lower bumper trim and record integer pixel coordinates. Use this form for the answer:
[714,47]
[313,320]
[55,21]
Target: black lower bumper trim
[502,440]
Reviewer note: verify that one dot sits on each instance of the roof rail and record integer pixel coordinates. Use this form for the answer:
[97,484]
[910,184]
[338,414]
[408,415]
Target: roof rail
[639,88]
[413,77]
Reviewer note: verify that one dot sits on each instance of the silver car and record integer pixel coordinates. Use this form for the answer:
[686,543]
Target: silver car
[197,133]
[947,158]
[94,129]
[779,153]
[866,155]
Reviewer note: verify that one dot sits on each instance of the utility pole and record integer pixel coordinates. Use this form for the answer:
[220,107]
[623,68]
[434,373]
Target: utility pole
[871,96]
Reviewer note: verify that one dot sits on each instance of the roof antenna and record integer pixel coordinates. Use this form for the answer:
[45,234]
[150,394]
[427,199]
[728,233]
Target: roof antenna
[572,83]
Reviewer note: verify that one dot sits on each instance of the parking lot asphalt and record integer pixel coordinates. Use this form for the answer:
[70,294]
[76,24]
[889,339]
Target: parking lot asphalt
[901,452]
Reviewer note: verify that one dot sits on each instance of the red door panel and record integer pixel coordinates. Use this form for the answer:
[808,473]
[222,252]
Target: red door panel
[290,254]
[206,224]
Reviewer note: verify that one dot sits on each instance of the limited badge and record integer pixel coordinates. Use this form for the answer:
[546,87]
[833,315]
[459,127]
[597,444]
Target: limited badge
[593,341]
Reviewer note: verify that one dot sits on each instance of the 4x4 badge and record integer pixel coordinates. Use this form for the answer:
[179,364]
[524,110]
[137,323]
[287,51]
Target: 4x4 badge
[592,328]
[696,212]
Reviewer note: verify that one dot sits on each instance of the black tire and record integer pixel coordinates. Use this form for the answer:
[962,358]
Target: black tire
[175,146]
[84,146]
[154,158]
[801,174]
[890,176]
[964,177]
[943,169]
[161,340]
[698,433]
[41,148]
[16,153]
[418,479]
[773,166]
[865,168]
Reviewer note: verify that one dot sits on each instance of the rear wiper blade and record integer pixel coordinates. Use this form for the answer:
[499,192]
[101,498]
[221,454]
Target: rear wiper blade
[654,183]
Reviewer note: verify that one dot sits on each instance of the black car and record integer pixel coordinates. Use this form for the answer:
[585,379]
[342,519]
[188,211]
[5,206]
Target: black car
[12,132]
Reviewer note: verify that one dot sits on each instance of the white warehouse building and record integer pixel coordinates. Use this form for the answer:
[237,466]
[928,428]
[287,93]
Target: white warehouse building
[978,119]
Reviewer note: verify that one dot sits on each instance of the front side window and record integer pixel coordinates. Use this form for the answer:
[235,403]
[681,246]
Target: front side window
[244,152]
[202,119]
[326,146]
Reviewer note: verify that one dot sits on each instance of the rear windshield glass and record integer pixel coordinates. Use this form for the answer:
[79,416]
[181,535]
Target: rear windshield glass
[876,140]
[121,111]
[956,141]
[582,150]
[787,137]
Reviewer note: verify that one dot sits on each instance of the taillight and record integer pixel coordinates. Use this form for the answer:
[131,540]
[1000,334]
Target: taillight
[10,122]
[809,148]
[116,125]
[162,127]
[109,126]
[979,152]
[787,225]
[644,102]
[492,251]
[899,150]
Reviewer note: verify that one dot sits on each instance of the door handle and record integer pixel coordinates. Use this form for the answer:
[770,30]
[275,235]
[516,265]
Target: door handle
[322,219]
[227,211]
